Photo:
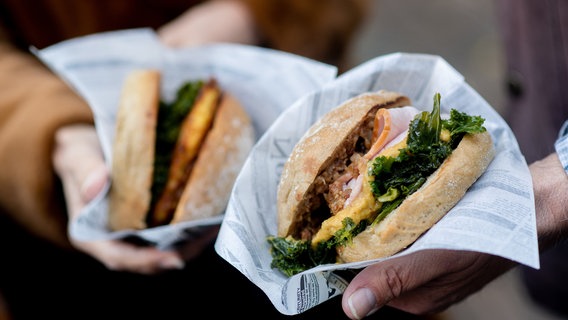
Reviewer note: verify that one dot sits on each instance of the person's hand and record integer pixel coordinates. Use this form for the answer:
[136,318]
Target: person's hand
[210,22]
[79,162]
[425,282]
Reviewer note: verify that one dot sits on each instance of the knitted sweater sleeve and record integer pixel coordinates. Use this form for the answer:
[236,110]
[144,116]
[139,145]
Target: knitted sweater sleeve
[34,103]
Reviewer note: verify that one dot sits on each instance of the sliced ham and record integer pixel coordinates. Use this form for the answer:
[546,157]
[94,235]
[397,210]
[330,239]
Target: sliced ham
[389,124]
[390,128]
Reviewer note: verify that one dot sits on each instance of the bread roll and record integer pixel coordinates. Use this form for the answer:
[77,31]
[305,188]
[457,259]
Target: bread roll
[133,150]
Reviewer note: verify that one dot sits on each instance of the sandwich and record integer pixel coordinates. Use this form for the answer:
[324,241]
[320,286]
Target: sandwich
[370,177]
[174,161]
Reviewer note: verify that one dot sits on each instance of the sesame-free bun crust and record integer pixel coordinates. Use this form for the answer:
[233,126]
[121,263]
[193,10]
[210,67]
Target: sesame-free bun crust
[321,145]
[133,150]
[220,159]
[421,210]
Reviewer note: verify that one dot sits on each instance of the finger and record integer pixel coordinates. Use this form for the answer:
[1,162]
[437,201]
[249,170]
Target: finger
[194,28]
[79,162]
[192,248]
[461,274]
[94,182]
[381,283]
[122,256]
[78,193]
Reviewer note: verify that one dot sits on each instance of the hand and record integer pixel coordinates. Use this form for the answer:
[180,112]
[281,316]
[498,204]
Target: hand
[210,22]
[79,162]
[424,282]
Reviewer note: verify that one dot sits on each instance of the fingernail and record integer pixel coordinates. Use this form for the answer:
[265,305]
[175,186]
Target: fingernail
[362,303]
[172,263]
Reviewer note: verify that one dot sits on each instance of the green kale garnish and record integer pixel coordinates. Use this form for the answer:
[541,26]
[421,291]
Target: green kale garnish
[289,255]
[461,123]
[426,127]
[294,256]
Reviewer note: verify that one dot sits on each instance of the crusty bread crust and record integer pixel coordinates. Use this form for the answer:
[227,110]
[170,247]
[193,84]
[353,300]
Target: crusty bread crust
[421,210]
[208,188]
[220,159]
[318,148]
[133,150]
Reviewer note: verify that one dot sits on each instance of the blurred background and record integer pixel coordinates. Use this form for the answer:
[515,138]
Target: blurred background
[465,33]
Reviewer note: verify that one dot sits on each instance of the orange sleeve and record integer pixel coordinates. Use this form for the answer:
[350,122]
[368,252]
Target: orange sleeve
[33,104]
[318,29]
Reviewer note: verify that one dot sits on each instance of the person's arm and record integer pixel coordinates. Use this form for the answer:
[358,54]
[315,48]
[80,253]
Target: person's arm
[550,184]
[431,281]
[317,29]
[211,21]
[34,103]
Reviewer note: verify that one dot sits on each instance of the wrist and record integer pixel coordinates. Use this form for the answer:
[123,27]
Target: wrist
[550,184]
[212,22]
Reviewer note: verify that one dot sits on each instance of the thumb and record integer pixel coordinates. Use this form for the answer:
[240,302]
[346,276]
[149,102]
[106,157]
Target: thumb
[378,284]
[79,162]
[87,179]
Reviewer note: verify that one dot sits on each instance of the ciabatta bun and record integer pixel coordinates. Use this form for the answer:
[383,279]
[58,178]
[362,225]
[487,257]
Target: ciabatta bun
[133,150]
[211,148]
[329,140]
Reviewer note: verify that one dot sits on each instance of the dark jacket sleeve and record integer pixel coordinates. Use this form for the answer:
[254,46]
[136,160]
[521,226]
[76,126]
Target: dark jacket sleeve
[535,41]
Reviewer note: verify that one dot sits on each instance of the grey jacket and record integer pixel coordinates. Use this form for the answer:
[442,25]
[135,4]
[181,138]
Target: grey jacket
[535,34]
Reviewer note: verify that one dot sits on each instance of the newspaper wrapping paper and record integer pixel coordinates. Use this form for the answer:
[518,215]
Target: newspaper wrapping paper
[265,81]
[496,215]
